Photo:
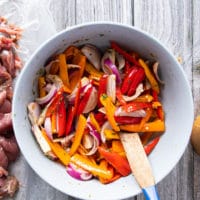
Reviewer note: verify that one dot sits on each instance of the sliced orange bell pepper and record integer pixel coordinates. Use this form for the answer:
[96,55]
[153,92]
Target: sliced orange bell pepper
[110,134]
[110,111]
[150,77]
[57,149]
[41,85]
[116,176]
[120,163]
[54,68]
[89,165]
[80,59]
[155,126]
[94,122]
[92,70]
[145,119]
[117,146]
[78,134]
[63,70]
[71,51]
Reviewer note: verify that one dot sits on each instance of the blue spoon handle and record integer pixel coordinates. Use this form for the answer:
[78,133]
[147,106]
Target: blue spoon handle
[151,193]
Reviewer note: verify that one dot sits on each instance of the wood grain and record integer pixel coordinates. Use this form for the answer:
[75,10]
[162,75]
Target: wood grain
[176,23]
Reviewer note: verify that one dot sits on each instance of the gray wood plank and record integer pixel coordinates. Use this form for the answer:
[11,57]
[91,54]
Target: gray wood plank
[196,90]
[170,22]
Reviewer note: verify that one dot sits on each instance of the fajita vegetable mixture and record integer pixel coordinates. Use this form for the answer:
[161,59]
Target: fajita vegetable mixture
[85,98]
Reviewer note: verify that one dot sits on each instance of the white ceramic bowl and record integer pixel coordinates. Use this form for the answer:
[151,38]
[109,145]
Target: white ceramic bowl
[176,97]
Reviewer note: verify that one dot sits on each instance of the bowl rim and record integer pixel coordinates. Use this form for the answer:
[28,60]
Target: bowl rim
[122,25]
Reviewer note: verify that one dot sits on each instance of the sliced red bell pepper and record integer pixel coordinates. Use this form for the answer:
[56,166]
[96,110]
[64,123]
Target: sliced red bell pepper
[128,80]
[102,88]
[120,96]
[126,55]
[127,120]
[120,163]
[61,118]
[138,77]
[133,106]
[100,118]
[54,102]
[151,145]
[84,100]
[69,119]
[127,67]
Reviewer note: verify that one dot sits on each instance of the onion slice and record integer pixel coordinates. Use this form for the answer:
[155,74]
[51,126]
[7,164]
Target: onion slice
[92,101]
[78,173]
[111,87]
[138,113]
[47,127]
[96,139]
[48,97]
[155,70]
[110,68]
[105,126]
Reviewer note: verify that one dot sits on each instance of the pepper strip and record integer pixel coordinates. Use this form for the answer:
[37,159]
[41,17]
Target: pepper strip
[90,166]
[155,126]
[133,106]
[120,163]
[110,111]
[41,85]
[151,145]
[61,118]
[63,70]
[94,122]
[120,97]
[57,149]
[150,77]
[78,134]
[92,70]
[127,56]
[69,119]
[105,165]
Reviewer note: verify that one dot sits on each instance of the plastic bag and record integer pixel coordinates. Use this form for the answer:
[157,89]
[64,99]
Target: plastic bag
[34,18]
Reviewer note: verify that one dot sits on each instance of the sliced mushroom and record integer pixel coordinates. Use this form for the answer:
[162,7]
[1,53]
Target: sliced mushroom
[93,55]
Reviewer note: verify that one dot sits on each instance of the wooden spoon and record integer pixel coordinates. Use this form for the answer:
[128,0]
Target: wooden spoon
[139,164]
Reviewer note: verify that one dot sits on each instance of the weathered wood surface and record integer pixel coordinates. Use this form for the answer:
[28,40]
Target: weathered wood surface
[176,23]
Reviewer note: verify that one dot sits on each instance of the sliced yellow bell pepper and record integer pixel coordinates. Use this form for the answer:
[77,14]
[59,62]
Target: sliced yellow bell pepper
[92,70]
[87,164]
[63,71]
[150,77]
[110,111]
[41,85]
[94,122]
[110,134]
[57,149]
[78,134]
[155,126]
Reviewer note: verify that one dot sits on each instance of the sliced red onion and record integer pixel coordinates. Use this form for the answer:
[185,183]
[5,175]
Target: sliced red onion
[110,53]
[72,66]
[96,139]
[46,99]
[138,91]
[94,132]
[155,70]
[78,173]
[47,127]
[120,60]
[110,68]
[93,55]
[105,126]
[55,80]
[34,112]
[65,141]
[92,101]
[111,87]
[102,110]
[138,113]
[88,141]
